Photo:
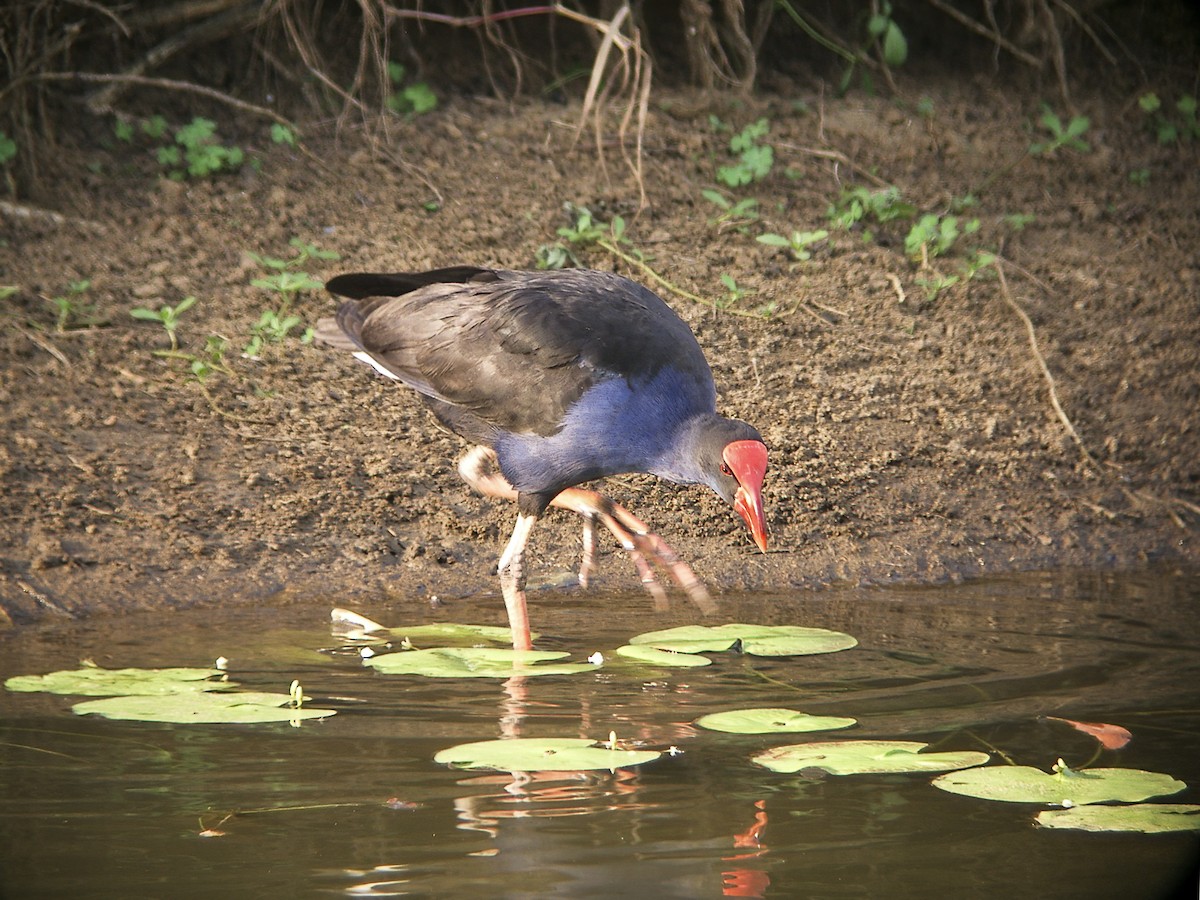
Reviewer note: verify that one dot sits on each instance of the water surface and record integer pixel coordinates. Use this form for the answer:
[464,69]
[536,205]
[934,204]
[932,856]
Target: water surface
[354,805]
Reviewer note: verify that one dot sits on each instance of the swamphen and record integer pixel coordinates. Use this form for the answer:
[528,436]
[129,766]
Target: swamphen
[559,378]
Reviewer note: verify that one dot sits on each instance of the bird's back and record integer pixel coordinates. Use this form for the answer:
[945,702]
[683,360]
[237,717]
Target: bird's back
[498,353]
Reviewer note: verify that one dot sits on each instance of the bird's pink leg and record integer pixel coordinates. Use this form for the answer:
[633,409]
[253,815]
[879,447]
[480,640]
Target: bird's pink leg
[588,564]
[636,537]
[512,582]
[479,469]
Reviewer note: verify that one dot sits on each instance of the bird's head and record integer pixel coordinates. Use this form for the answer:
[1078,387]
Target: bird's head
[735,462]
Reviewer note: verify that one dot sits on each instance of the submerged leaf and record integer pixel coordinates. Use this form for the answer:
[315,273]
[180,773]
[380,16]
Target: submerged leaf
[861,757]
[1147,818]
[202,708]
[757,640]
[654,656]
[541,755]
[93,681]
[443,632]
[771,721]
[474,662]
[1025,784]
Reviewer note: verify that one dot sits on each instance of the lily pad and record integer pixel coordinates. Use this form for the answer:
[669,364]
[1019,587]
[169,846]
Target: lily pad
[93,681]
[541,755]
[353,626]
[1147,818]
[201,708]
[771,721]
[757,640]
[475,662]
[655,657]
[1025,784]
[861,757]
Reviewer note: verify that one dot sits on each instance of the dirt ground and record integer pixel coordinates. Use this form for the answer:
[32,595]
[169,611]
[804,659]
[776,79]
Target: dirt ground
[911,440]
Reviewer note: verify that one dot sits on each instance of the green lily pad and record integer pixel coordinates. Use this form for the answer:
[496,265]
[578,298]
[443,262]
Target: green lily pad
[654,656]
[861,757]
[201,708]
[352,625]
[1147,818]
[93,681]
[1025,784]
[757,640]
[771,721]
[474,662]
[541,755]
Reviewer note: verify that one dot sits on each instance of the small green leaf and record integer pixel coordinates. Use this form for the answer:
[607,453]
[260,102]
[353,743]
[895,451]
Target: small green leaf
[1025,784]
[475,662]
[1147,818]
[282,134]
[94,681]
[895,46]
[861,757]
[655,657]
[202,708]
[757,640]
[420,97]
[541,755]
[771,721]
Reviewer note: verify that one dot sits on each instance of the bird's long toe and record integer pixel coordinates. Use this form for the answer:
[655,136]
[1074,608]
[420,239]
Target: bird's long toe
[644,547]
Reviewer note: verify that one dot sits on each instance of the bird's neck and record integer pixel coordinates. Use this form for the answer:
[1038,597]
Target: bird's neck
[680,460]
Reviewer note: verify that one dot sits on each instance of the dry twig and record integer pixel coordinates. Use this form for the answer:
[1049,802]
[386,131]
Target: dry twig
[1045,369]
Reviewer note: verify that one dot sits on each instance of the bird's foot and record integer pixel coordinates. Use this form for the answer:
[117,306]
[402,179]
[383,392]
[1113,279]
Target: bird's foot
[644,547]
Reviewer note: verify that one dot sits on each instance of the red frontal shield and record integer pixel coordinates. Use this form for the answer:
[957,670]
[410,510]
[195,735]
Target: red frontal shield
[748,461]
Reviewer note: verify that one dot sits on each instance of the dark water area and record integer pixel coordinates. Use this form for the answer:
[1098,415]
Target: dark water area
[354,805]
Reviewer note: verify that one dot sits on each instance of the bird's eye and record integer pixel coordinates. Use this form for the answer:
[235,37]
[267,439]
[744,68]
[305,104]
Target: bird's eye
[725,470]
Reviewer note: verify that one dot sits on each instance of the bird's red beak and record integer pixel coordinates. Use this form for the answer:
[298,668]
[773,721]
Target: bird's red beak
[748,462]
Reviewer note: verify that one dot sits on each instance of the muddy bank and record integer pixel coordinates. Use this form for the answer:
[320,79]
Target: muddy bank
[912,438]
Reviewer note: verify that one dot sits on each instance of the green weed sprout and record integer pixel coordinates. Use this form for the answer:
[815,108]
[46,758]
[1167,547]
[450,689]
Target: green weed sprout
[271,327]
[197,153]
[1069,135]
[934,286]
[1168,131]
[70,309]
[213,359]
[859,204]
[881,27]
[8,152]
[583,232]
[304,252]
[288,284]
[734,213]
[1019,221]
[411,100]
[934,235]
[735,292]
[797,244]
[282,134]
[754,159]
[167,316]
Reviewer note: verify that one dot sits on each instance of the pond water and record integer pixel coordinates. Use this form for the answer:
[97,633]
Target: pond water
[354,804]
